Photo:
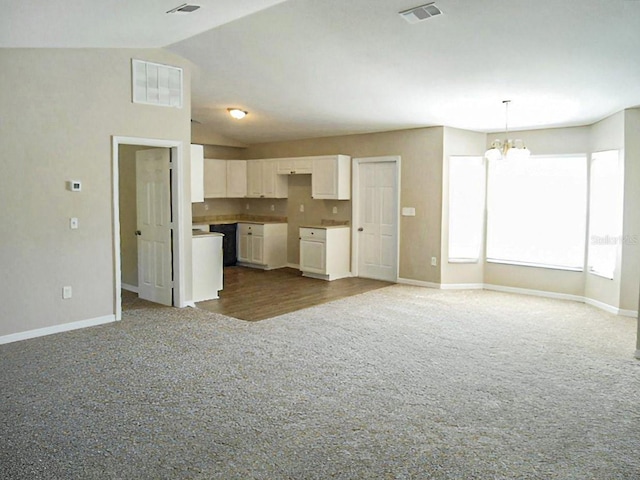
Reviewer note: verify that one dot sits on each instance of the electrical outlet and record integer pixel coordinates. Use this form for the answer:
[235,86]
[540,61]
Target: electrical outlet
[434,262]
[302,207]
[206,206]
[335,209]
[247,206]
[273,207]
[66,292]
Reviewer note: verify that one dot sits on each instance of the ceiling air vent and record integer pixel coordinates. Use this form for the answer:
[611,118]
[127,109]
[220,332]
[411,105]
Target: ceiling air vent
[423,12]
[184,8]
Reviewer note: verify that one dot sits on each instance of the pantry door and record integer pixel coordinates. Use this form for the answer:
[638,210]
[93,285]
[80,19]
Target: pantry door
[376,217]
[153,202]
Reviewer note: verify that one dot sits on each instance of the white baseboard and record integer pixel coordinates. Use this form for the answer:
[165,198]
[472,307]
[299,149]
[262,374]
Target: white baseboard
[462,286]
[535,293]
[602,306]
[293,265]
[418,283]
[628,313]
[637,355]
[129,288]
[65,327]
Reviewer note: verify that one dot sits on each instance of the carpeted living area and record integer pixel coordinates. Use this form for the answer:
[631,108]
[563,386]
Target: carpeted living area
[400,383]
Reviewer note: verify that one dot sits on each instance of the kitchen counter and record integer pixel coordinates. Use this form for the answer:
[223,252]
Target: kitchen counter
[200,233]
[325,227]
[241,218]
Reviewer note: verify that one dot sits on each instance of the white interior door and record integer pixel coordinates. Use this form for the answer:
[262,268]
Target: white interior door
[378,220]
[153,198]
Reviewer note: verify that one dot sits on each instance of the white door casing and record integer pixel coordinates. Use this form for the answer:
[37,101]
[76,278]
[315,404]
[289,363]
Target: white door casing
[153,200]
[376,204]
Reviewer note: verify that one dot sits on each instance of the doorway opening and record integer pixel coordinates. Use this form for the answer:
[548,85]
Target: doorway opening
[164,188]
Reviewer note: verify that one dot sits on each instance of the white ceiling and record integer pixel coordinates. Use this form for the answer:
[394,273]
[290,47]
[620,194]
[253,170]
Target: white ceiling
[309,68]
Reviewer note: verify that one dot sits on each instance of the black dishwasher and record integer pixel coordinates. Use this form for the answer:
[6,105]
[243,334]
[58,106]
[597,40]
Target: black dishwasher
[228,242]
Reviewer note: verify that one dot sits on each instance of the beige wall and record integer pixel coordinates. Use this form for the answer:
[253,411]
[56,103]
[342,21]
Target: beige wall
[458,143]
[421,187]
[608,134]
[631,247]
[60,110]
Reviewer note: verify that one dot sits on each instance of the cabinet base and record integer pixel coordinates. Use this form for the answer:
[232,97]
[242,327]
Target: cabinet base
[258,266]
[327,277]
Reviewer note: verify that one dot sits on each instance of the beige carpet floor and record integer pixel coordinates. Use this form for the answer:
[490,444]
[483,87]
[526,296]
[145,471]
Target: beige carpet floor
[398,383]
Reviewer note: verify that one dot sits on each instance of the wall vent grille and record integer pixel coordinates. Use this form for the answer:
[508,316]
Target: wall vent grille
[184,8]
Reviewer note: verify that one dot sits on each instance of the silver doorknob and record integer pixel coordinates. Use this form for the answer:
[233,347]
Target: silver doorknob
[361,229]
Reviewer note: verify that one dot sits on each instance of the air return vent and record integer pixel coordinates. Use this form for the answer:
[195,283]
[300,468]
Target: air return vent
[184,8]
[423,12]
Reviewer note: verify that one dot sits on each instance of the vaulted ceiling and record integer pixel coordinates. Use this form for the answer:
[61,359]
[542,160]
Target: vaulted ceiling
[309,68]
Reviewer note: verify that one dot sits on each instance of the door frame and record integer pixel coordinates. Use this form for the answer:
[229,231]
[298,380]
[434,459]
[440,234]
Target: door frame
[177,203]
[355,207]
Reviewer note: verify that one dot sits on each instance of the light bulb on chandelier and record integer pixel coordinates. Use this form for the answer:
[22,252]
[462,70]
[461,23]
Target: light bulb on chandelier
[507,149]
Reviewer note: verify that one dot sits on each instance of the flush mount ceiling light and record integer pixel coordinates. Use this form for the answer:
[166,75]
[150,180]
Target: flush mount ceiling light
[418,14]
[507,149]
[237,113]
[184,8]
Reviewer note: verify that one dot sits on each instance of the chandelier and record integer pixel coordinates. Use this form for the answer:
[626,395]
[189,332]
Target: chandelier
[507,149]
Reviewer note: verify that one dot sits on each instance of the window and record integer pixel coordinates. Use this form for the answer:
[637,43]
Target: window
[466,208]
[605,213]
[156,84]
[537,211]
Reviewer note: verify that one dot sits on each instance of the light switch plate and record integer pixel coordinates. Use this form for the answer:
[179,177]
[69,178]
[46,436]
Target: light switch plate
[73,223]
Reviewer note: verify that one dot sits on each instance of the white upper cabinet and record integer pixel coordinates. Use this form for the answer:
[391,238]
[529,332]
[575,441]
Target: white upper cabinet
[197,173]
[236,178]
[331,178]
[295,166]
[215,178]
[263,180]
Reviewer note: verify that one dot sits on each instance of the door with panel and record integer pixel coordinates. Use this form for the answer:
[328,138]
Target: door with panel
[154,230]
[378,220]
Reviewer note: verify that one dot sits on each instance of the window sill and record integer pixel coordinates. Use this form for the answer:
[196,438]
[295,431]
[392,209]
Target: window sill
[463,260]
[535,265]
[601,275]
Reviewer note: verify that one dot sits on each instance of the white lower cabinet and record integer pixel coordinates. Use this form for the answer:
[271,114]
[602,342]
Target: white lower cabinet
[325,252]
[262,245]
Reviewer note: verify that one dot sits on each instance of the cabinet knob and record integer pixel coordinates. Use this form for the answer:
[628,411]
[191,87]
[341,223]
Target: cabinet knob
[361,229]
[138,233]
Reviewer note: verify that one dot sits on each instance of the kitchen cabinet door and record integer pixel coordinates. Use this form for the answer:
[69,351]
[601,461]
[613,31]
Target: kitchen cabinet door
[312,256]
[215,178]
[254,178]
[331,178]
[236,178]
[257,250]
[244,247]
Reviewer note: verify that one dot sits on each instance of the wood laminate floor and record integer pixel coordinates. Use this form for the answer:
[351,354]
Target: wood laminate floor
[252,294]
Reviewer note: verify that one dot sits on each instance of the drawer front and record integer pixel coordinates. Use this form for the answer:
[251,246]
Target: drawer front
[319,234]
[250,228]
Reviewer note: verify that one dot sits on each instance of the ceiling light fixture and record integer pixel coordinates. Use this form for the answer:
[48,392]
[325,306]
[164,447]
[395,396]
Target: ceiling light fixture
[507,149]
[237,113]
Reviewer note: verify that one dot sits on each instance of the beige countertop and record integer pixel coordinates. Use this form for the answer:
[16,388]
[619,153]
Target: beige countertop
[325,227]
[230,219]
